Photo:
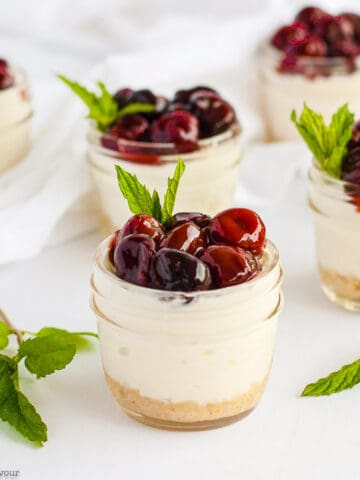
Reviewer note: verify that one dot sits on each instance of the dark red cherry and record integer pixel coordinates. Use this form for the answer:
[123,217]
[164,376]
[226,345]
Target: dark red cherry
[354,20]
[200,219]
[187,237]
[239,227]
[181,128]
[113,244]
[288,34]
[310,45]
[343,48]
[6,79]
[355,138]
[183,96]
[179,271]
[132,258]
[215,115]
[176,106]
[130,127]
[229,265]
[333,29]
[142,223]
[122,96]
[311,16]
[143,96]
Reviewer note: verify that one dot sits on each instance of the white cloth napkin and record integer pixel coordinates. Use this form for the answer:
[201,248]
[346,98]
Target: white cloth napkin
[46,198]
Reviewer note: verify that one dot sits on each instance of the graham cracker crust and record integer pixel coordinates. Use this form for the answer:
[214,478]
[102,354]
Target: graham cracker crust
[342,286]
[184,412]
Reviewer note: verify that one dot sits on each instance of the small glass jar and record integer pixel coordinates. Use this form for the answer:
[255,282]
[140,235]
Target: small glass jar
[15,122]
[335,205]
[208,184]
[186,360]
[330,82]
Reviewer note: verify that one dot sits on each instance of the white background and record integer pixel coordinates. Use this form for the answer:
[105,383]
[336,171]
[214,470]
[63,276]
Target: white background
[287,437]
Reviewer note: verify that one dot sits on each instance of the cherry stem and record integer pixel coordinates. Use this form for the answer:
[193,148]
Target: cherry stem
[7,321]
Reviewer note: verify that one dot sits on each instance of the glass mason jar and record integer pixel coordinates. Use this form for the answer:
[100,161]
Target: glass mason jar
[15,120]
[335,205]
[329,83]
[208,184]
[186,360]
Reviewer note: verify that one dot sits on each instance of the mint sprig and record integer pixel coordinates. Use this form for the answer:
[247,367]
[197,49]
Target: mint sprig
[347,377]
[103,108]
[139,198]
[328,143]
[46,351]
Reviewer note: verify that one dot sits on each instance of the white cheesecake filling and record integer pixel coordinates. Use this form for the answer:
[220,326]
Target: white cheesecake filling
[202,347]
[281,93]
[208,184]
[337,226]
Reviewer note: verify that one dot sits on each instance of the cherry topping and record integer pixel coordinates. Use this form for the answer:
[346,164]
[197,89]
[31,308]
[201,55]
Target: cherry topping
[130,127]
[288,35]
[200,219]
[229,265]
[179,271]
[132,258]
[239,227]
[215,115]
[142,223]
[310,45]
[311,16]
[183,96]
[122,96]
[6,79]
[181,128]
[142,96]
[187,237]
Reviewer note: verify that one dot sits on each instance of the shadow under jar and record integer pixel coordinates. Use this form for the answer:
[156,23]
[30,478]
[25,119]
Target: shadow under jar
[326,83]
[208,184]
[187,361]
[335,205]
[15,121]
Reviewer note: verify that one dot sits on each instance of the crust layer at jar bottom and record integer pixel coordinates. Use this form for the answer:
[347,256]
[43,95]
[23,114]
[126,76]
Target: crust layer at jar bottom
[343,290]
[184,415]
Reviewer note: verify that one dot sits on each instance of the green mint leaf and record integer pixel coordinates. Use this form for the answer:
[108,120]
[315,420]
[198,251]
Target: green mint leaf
[46,354]
[15,408]
[80,339]
[102,108]
[4,335]
[347,377]
[156,205]
[327,143]
[170,195]
[133,108]
[137,195]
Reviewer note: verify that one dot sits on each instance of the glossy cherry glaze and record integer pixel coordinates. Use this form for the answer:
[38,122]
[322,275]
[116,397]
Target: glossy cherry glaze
[200,219]
[186,237]
[239,227]
[132,258]
[229,265]
[179,271]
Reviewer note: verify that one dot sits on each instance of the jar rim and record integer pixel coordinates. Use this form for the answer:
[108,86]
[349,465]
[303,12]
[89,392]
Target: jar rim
[329,179]
[102,263]
[166,151]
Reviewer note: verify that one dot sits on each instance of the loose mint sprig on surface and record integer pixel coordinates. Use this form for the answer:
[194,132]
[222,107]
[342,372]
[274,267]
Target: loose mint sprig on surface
[140,200]
[328,143]
[103,108]
[347,377]
[46,351]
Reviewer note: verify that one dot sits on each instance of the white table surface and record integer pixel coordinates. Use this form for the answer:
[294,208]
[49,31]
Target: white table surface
[286,437]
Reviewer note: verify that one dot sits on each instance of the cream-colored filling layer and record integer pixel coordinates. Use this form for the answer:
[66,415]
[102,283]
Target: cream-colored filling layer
[207,186]
[281,93]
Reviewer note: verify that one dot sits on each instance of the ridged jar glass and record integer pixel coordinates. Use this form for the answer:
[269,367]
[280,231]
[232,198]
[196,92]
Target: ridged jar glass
[207,186]
[187,360]
[335,205]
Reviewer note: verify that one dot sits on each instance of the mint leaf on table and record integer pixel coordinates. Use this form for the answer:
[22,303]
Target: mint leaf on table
[80,339]
[103,108]
[170,195]
[15,408]
[44,355]
[139,198]
[347,377]
[328,143]
[4,335]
